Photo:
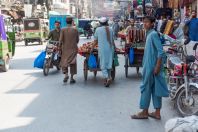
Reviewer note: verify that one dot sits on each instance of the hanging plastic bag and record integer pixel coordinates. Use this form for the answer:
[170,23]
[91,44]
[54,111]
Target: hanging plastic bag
[131,55]
[39,61]
[116,62]
[92,61]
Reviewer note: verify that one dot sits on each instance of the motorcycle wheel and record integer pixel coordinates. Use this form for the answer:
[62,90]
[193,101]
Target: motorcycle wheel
[187,107]
[46,67]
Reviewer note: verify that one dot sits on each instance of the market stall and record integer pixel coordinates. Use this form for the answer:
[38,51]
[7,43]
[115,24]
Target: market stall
[134,49]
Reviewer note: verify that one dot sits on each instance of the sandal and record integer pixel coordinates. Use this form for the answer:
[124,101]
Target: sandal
[66,79]
[72,81]
[139,116]
[153,115]
[108,82]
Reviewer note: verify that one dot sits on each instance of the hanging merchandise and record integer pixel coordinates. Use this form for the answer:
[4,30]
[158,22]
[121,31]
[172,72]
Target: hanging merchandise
[181,3]
[165,3]
[148,1]
[135,3]
[169,27]
[174,4]
[139,2]
[164,12]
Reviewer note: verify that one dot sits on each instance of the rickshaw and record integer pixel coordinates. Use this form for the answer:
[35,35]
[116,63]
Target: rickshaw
[7,42]
[34,30]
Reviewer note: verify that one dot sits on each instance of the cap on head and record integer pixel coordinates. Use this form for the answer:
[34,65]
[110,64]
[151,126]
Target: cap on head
[69,19]
[103,20]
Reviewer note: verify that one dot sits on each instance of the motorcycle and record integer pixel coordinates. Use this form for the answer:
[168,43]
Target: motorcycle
[183,80]
[52,58]
[88,33]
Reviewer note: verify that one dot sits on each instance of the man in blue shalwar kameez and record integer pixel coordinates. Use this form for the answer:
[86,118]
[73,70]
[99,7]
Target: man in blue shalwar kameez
[106,46]
[153,78]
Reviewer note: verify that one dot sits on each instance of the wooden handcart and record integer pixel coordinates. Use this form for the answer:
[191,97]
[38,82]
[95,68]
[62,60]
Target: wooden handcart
[87,69]
[135,40]
[138,58]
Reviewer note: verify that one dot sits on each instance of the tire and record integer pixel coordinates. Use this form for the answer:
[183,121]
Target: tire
[180,104]
[26,43]
[113,72]
[46,67]
[137,70]
[85,70]
[95,73]
[6,65]
[126,65]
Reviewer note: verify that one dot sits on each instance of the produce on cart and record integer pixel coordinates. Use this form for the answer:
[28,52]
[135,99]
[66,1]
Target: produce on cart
[123,36]
[85,51]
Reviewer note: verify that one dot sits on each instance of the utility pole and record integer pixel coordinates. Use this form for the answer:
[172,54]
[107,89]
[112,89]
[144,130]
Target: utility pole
[77,8]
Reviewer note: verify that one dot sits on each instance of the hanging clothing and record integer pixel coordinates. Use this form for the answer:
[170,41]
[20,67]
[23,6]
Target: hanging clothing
[181,3]
[193,28]
[164,11]
[174,4]
[159,25]
[179,33]
[148,1]
[165,3]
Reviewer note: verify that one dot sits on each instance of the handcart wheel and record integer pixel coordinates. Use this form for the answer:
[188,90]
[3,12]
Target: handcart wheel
[95,73]
[113,72]
[126,65]
[85,70]
[46,67]
[137,70]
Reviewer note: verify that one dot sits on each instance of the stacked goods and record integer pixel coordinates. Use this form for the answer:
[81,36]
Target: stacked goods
[136,35]
[169,27]
[122,34]
[86,48]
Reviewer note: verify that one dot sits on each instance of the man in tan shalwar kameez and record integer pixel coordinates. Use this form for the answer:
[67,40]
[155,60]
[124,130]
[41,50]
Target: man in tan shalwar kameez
[69,38]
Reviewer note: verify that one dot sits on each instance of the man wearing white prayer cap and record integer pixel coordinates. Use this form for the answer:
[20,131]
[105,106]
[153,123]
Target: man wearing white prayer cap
[104,38]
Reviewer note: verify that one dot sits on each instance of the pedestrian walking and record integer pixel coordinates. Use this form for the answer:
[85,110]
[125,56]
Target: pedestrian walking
[104,38]
[116,29]
[153,78]
[69,38]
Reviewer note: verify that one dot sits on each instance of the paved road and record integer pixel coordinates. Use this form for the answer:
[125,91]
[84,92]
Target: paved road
[30,102]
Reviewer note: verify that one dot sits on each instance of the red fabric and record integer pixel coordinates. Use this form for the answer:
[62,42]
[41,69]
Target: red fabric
[172,36]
